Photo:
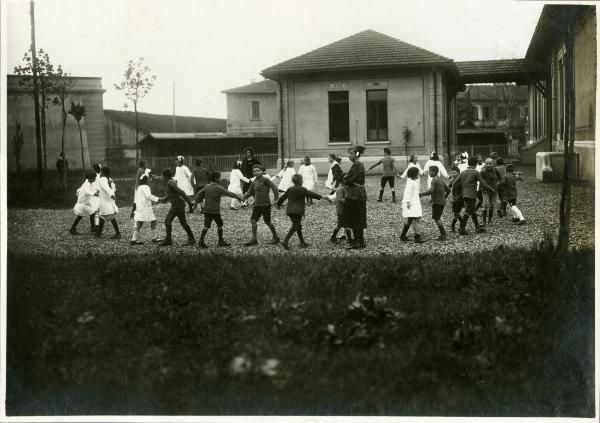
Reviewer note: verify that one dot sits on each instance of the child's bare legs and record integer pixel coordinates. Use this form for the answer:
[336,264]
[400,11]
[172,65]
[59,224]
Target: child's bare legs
[254,240]
[136,229]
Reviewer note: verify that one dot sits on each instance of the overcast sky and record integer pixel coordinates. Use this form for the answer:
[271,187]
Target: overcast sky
[206,46]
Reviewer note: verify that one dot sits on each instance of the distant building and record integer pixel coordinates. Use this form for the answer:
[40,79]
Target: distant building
[564,32]
[492,117]
[87,91]
[367,89]
[253,109]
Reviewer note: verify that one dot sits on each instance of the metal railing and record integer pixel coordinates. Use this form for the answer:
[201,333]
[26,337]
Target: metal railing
[503,150]
[212,162]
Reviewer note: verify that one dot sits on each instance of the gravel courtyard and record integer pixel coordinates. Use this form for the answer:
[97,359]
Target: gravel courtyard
[46,231]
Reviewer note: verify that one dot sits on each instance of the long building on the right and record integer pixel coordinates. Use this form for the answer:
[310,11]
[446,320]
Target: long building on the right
[565,42]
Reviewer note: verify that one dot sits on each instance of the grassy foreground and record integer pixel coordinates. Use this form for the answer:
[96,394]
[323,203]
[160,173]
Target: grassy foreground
[502,333]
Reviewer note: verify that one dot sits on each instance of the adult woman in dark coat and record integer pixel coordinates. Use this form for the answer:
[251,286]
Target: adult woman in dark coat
[247,164]
[355,208]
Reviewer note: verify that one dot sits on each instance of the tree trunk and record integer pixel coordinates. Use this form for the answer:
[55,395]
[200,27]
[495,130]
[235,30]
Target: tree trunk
[43,116]
[136,132]
[36,100]
[565,199]
[62,143]
[82,155]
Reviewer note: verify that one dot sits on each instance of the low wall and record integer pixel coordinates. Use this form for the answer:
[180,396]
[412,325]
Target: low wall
[528,153]
[587,159]
[550,166]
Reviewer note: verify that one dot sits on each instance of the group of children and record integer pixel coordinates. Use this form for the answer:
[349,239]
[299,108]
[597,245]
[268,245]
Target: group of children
[470,180]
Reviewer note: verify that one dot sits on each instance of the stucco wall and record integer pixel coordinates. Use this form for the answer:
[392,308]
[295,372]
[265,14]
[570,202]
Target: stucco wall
[20,109]
[239,113]
[409,101]
[584,51]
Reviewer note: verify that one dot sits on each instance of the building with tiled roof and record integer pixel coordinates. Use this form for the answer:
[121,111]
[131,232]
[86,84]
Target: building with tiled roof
[252,109]
[367,89]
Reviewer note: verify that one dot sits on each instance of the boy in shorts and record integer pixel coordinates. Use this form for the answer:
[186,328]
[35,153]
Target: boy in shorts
[438,191]
[388,173]
[262,203]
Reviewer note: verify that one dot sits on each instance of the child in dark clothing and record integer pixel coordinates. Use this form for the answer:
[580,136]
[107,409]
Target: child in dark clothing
[507,188]
[468,179]
[340,200]
[262,205]
[457,200]
[178,199]
[438,191]
[295,208]
[211,195]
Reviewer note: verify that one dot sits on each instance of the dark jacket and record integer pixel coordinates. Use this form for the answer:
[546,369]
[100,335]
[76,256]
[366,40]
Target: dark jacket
[260,190]
[336,171]
[468,179]
[200,176]
[247,166]
[456,188]
[491,176]
[175,195]
[438,191]
[507,188]
[211,194]
[355,182]
[296,196]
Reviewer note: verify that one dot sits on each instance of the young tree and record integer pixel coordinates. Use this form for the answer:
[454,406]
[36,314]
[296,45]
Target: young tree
[62,85]
[45,78]
[77,110]
[136,83]
[17,143]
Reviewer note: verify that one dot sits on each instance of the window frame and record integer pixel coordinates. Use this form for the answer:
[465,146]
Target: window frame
[378,138]
[252,117]
[330,137]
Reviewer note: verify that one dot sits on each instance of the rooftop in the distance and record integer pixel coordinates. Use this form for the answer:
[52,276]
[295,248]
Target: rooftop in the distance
[262,87]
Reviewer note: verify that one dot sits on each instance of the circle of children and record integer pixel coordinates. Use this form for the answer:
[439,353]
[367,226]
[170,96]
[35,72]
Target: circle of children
[473,184]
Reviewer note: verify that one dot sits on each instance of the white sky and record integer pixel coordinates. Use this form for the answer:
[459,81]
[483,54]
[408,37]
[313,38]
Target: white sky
[206,46]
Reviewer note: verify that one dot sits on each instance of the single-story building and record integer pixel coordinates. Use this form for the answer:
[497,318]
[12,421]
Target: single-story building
[368,89]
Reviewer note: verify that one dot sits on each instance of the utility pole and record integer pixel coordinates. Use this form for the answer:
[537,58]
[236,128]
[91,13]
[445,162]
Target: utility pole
[36,99]
[174,118]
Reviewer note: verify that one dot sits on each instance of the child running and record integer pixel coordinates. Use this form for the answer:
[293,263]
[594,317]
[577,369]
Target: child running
[235,184]
[108,209]
[468,179]
[178,199]
[507,188]
[211,195]
[309,176]
[490,174]
[83,207]
[183,177]
[143,209]
[411,204]
[285,176]
[434,160]
[295,209]
[438,191]
[262,203]
[388,173]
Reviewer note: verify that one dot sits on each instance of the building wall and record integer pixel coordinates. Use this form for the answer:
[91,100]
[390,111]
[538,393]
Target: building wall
[119,134]
[20,109]
[239,113]
[409,102]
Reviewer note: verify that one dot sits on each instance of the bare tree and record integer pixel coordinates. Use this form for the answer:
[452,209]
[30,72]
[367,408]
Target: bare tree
[77,110]
[137,82]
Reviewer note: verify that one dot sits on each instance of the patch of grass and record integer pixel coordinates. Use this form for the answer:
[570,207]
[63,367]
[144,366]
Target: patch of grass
[500,333]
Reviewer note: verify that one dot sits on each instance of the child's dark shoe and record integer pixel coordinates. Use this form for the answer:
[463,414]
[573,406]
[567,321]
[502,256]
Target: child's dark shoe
[251,243]
[201,244]
[73,232]
[274,241]
[222,243]
[190,241]
[515,219]
[453,229]
[333,239]
[418,239]
[165,243]
[156,240]
[521,222]
[285,245]
[116,236]
[379,200]
[136,243]
[499,214]
[442,238]
[403,238]
[480,229]
[462,231]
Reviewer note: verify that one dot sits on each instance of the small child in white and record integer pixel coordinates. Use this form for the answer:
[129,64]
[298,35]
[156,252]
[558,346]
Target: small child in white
[309,176]
[285,176]
[83,207]
[143,211]
[235,184]
[411,204]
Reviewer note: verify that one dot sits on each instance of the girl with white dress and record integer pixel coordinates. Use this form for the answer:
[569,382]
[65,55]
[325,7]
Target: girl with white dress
[183,176]
[235,184]
[108,209]
[411,205]
[413,162]
[309,176]
[285,176]
[83,207]
[143,209]
[434,160]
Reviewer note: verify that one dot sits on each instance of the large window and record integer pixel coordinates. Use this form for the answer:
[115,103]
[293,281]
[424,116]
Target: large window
[377,121]
[339,116]
[501,113]
[255,114]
